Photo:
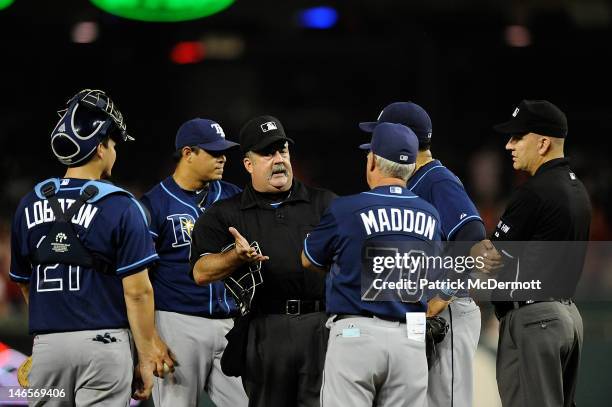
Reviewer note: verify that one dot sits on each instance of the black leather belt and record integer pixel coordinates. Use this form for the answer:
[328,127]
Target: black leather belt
[290,307]
[503,307]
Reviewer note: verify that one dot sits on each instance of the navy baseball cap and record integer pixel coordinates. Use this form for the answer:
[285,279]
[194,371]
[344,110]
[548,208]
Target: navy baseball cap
[535,116]
[407,113]
[394,142]
[260,132]
[202,133]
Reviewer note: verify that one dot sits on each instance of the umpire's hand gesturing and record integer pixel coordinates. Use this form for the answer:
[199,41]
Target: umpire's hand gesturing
[216,266]
[244,250]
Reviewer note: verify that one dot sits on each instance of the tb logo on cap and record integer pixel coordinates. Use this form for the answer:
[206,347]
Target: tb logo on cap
[218,129]
[403,157]
[515,112]
[267,126]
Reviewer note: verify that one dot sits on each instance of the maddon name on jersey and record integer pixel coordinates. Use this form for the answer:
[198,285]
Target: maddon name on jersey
[398,220]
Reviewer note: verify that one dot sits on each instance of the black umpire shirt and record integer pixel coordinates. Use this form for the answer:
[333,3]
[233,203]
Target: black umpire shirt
[279,229]
[548,220]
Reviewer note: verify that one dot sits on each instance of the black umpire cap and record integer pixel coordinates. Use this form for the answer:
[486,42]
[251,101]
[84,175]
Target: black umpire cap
[260,132]
[535,116]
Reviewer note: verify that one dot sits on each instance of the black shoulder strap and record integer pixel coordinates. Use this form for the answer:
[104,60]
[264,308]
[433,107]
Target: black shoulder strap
[48,190]
[88,193]
[62,244]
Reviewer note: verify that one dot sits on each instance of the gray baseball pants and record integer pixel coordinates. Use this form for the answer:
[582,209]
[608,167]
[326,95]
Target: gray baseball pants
[198,344]
[538,355]
[92,373]
[380,367]
[451,378]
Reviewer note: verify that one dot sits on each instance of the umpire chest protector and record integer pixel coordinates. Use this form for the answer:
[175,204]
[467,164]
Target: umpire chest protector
[62,243]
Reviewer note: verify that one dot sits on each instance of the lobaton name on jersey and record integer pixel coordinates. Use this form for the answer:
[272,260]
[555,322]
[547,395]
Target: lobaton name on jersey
[398,220]
[41,212]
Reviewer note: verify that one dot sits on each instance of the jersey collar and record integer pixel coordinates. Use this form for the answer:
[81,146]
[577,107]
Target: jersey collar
[250,199]
[173,187]
[421,172]
[73,182]
[557,162]
[391,191]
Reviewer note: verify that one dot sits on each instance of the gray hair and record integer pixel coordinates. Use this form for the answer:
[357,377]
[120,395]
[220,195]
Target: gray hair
[393,169]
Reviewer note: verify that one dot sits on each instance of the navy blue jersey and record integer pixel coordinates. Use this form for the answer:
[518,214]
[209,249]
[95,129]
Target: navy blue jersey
[440,187]
[174,212]
[384,214]
[67,298]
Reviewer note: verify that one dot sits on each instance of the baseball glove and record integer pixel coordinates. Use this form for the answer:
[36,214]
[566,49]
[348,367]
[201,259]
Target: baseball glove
[23,372]
[437,327]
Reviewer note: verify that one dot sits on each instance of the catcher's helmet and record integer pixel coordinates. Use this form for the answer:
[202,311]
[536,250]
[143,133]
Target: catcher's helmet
[89,117]
[242,282]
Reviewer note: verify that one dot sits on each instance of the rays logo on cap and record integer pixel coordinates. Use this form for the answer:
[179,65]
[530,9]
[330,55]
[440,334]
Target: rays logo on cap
[218,129]
[403,157]
[515,112]
[267,126]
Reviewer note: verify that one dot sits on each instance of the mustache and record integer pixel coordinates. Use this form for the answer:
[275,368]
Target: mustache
[279,169]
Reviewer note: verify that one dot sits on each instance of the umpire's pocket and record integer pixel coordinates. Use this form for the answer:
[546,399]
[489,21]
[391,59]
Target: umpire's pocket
[542,322]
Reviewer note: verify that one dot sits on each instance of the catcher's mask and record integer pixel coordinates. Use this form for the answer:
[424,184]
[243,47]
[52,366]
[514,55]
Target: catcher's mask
[89,117]
[242,282]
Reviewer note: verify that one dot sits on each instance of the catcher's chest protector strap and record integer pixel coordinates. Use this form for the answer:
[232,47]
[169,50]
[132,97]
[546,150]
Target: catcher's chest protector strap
[62,243]
[103,189]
